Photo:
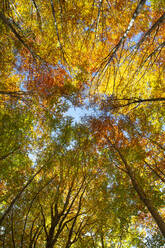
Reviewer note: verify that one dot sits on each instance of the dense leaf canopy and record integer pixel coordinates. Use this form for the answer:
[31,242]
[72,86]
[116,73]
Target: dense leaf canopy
[97,182]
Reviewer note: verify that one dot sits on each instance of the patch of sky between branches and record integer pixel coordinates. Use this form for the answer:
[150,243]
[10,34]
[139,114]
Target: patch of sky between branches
[78,113]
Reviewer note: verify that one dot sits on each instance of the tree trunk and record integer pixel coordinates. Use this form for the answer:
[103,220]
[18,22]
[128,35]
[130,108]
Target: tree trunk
[147,202]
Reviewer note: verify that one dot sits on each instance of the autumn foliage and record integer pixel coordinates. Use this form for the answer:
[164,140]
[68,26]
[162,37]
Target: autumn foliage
[91,182]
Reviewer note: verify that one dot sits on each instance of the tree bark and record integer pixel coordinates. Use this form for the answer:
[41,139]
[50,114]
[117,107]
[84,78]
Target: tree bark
[147,202]
[18,196]
[143,197]
[17,35]
[137,101]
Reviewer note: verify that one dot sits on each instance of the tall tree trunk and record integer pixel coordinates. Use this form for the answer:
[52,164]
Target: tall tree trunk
[147,202]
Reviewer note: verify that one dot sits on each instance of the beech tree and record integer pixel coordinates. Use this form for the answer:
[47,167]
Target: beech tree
[132,162]
[99,182]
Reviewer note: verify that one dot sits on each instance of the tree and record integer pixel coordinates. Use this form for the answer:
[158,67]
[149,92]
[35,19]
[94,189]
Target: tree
[90,184]
[53,208]
[28,25]
[110,134]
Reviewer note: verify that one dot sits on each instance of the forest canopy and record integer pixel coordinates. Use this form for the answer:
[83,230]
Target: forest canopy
[97,181]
